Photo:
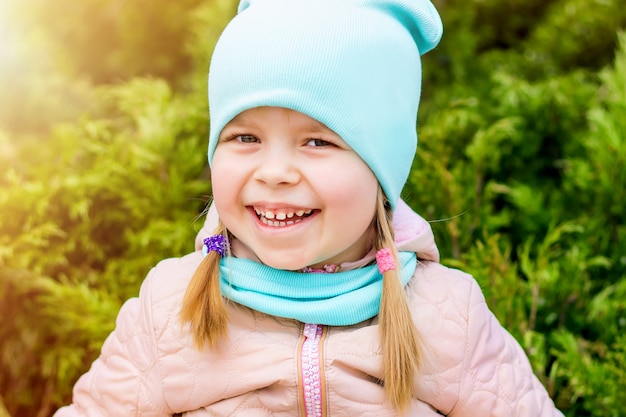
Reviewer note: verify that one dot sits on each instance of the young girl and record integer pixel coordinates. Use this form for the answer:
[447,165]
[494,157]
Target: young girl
[315,291]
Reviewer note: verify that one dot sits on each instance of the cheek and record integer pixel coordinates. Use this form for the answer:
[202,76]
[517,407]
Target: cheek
[353,193]
[223,181]
[225,199]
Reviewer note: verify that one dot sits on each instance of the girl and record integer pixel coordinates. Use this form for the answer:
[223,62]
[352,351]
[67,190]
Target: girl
[317,291]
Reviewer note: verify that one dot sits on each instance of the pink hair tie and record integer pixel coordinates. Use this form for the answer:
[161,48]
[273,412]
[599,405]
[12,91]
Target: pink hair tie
[385,261]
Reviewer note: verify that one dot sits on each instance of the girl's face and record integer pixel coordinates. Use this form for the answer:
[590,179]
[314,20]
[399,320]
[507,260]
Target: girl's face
[291,191]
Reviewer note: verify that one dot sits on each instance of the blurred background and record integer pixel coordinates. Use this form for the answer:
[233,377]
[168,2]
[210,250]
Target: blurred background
[521,168]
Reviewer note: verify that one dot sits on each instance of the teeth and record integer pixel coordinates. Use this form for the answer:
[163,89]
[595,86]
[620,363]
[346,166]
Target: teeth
[277,219]
[275,223]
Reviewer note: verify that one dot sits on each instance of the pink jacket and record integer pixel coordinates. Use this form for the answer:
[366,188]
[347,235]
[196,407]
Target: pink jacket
[148,366]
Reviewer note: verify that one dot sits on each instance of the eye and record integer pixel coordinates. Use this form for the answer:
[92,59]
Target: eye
[318,142]
[246,138]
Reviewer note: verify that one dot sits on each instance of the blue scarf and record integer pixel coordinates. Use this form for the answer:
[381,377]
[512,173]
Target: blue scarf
[337,299]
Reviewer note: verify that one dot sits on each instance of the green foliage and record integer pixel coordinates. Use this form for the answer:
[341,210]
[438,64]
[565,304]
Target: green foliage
[53,52]
[55,329]
[109,186]
[595,373]
[521,170]
[524,182]
[594,175]
[110,40]
[84,217]
[585,34]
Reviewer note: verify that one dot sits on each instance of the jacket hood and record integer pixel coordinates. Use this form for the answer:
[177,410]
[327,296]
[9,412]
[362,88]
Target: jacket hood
[412,232]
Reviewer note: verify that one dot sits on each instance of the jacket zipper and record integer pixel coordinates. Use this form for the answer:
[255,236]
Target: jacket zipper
[311,371]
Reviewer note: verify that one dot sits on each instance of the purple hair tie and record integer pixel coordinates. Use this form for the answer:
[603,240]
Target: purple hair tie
[217,243]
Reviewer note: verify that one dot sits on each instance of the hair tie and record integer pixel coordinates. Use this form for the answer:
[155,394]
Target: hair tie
[217,243]
[385,261]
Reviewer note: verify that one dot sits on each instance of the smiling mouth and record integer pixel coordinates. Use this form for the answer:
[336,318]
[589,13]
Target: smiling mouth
[282,217]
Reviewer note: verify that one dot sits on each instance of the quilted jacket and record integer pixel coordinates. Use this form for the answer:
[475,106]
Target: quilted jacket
[148,366]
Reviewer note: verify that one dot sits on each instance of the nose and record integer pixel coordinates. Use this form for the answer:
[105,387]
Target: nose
[277,167]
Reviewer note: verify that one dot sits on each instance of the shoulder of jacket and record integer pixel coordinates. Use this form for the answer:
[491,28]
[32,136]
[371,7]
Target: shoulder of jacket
[170,277]
[444,287]
[433,275]
[161,293]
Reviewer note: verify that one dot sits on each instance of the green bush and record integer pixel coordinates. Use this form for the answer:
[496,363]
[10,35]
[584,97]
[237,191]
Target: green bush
[82,223]
[524,183]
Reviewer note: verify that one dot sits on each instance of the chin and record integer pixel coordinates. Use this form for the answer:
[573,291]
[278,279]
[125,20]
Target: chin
[286,264]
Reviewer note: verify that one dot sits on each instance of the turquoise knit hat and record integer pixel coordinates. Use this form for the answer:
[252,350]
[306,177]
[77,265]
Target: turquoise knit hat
[353,65]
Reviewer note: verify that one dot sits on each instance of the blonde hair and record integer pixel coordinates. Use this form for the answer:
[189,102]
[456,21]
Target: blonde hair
[399,337]
[203,307]
[204,310]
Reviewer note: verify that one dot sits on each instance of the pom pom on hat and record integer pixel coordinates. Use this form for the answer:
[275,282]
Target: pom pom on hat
[353,65]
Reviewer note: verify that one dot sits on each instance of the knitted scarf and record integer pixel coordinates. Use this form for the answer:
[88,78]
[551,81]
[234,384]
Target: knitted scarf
[337,299]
